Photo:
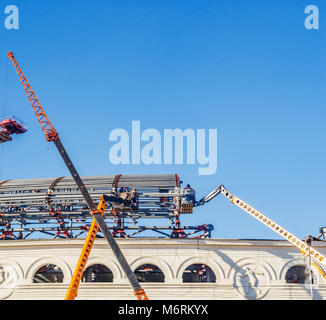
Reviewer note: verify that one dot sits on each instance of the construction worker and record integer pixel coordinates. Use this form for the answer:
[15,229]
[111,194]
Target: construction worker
[189,193]
[134,198]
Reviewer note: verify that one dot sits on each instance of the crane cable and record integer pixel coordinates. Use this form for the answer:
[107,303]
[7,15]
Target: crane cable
[3,110]
[308,241]
[310,275]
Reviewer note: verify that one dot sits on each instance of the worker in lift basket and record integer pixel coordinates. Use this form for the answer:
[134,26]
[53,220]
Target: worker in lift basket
[129,197]
[189,194]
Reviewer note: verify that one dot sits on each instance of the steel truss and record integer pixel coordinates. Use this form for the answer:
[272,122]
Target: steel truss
[54,207]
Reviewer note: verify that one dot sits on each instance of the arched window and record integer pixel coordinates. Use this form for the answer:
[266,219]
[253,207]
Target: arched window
[299,274]
[198,273]
[149,273]
[97,273]
[48,273]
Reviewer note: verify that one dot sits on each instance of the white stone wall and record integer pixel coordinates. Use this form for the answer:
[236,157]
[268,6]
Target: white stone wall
[244,269]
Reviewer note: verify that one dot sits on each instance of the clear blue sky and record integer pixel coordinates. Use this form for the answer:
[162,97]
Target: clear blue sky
[250,69]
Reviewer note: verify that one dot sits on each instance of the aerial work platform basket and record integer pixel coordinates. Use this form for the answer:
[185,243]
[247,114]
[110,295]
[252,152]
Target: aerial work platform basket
[10,125]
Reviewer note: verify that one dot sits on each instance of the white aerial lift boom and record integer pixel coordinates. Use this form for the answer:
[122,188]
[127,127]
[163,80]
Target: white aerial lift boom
[304,246]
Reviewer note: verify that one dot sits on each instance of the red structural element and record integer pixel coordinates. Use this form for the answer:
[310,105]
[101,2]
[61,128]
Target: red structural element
[47,127]
[4,137]
[11,125]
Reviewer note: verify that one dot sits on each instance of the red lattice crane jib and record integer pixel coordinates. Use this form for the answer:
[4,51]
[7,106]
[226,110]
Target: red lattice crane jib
[47,127]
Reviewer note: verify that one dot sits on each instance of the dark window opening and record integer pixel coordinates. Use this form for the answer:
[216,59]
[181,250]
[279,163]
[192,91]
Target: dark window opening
[299,274]
[149,273]
[198,273]
[48,273]
[97,273]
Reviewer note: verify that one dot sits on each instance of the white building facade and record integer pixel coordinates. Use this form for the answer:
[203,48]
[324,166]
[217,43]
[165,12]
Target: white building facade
[237,269]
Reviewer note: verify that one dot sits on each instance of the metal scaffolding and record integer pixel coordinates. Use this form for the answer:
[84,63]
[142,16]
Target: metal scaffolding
[54,207]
